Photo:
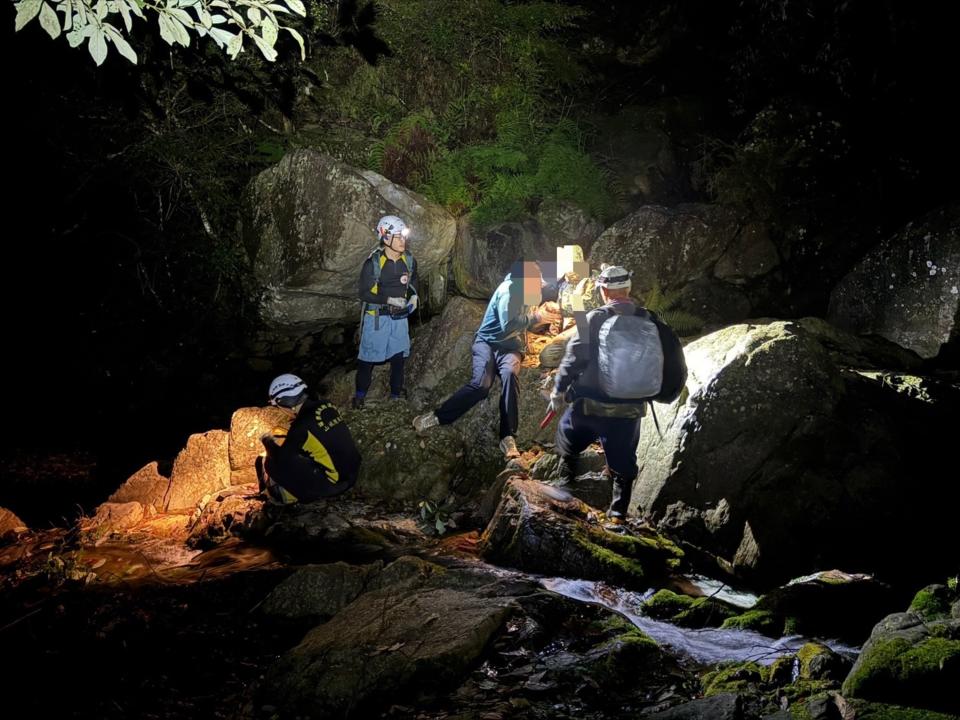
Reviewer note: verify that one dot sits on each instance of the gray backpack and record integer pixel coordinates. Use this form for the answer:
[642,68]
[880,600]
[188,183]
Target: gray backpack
[630,357]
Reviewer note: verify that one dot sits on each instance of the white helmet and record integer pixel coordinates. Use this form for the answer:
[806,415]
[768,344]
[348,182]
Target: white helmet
[614,277]
[286,390]
[391,225]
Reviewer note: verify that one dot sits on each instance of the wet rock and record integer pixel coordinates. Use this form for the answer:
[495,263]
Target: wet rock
[909,662]
[201,468]
[234,512]
[827,604]
[319,591]
[338,529]
[590,485]
[932,603]
[543,529]
[385,645]
[686,611]
[818,662]
[723,706]
[113,516]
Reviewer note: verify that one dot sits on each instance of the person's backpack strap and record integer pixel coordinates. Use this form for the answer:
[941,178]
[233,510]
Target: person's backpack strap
[674,363]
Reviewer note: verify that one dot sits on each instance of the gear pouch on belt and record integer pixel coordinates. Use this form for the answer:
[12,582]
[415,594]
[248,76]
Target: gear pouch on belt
[612,410]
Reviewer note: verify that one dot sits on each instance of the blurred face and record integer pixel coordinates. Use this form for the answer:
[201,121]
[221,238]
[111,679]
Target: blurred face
[530,283]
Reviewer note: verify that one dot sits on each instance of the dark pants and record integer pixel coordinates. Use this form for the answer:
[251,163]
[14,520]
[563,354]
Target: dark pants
[487,364]
[619,438]
[365,375]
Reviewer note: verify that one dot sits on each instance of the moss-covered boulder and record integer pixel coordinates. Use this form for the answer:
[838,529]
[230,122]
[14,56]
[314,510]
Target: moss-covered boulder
[544,529]
[910,662]
[831,603]
[818,662]
[687,611]
[933,602]
[761,621]
[779,493]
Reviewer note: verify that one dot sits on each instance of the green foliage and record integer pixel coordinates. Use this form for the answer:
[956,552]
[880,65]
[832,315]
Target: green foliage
[229,23]
[468,108]
[663,303]
[435,517]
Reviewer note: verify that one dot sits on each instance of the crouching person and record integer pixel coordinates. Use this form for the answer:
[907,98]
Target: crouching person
[317,459]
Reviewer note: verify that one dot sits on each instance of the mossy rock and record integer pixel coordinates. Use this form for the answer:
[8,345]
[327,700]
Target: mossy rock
[761,621]
[818,662]
[899,668]
[733,678]
[932,603]
[881,711]
[687,611]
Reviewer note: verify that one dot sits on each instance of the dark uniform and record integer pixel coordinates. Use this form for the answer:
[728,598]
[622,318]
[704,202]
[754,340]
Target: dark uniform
[593,415]
[318,458]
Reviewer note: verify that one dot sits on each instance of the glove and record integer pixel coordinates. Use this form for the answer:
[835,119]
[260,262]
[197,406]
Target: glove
[413,303]
[397,302]
[556,402]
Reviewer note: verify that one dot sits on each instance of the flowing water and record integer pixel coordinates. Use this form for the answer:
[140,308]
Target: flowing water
[709,645]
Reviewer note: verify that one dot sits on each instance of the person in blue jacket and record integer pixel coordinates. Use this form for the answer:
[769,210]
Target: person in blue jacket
[516,305]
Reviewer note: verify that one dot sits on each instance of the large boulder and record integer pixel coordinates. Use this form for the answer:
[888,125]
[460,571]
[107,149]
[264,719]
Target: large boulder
[309,223]
[910,660]
[566,224]
[387,643]
[200,469]
[483,256]
[544,529]
[780,457]
[907,289]
[669,246]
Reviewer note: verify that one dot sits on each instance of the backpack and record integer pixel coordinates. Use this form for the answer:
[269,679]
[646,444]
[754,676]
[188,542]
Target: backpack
[640,358]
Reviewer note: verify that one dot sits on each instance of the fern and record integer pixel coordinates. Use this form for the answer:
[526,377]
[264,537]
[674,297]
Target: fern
[664,304]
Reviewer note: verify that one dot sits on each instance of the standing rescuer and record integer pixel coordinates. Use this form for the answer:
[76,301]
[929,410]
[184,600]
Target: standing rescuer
[621,358]
[387,289]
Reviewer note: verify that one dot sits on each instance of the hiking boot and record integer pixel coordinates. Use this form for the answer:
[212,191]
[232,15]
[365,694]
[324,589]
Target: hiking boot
[357,402]
[508,446]
[422,423]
